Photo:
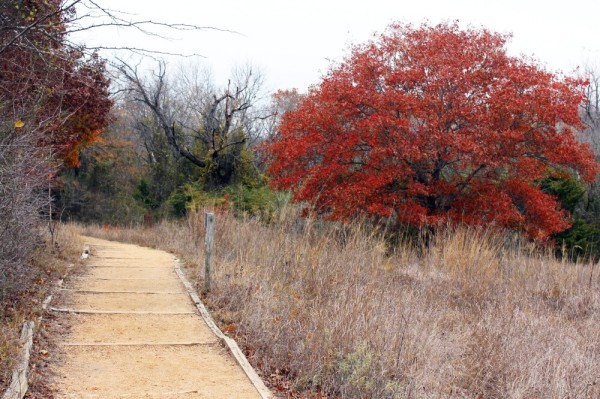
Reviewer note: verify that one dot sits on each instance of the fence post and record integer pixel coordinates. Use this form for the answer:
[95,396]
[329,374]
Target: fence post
[209,224]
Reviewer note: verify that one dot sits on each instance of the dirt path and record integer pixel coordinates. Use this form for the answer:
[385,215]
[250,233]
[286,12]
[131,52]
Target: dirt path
[137,334]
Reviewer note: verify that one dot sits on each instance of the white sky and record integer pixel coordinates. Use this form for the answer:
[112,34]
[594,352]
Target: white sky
[293,42]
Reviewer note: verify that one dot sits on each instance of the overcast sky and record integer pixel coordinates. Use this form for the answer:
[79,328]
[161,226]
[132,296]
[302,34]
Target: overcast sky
[293,42]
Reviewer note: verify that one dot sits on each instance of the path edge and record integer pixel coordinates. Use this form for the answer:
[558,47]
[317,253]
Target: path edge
[230,343]
[19,383]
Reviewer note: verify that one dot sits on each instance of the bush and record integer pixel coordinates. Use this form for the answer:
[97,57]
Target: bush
[22,179]
[258,201]
[244,200]
[582,239]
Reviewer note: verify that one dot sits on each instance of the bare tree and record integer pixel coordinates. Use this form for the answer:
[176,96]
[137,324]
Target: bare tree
[78,16]
[590,111]
[209,127]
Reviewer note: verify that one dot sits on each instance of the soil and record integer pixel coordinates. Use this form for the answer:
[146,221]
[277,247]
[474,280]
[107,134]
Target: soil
[135,333]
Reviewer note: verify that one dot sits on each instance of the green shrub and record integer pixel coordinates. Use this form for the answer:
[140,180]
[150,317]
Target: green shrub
[582,239]
[246,201]
[259,201]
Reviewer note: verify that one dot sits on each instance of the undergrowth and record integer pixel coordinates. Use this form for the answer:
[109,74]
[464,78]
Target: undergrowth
[41,269]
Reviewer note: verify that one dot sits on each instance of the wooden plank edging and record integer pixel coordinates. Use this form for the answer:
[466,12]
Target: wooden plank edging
[123,292]
[138,312]
[19,384]
[230,343]
[172,343]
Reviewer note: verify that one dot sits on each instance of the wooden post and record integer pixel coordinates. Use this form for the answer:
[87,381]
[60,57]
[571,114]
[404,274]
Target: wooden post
[209,224]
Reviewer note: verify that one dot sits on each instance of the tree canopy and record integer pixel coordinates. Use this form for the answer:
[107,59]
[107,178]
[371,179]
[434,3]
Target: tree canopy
[54,100]
[435,124]
[54,88]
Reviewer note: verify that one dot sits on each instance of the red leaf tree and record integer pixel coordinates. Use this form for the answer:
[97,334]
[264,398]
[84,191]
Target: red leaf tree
[434,124]
[59,90]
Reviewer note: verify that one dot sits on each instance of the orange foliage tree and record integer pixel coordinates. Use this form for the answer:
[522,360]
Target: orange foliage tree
[434,124]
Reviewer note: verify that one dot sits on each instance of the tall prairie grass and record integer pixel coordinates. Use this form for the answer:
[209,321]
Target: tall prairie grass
[472,314]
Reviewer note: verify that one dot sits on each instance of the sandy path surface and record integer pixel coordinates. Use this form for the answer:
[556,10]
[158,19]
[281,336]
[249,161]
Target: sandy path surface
[137,334]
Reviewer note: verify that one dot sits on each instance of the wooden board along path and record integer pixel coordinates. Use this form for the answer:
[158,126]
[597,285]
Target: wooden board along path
[139,330]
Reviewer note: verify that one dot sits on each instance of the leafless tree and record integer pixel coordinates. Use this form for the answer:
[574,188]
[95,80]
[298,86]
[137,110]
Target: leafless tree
[209,127]
[79,16]
[590,111]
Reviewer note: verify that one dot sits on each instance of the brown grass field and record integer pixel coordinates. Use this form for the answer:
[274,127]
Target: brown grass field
[334,308]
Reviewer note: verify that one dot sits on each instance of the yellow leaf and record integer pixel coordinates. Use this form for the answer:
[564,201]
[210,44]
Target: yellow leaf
[19,124]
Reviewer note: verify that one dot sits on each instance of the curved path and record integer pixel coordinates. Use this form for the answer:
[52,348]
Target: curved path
[137,334]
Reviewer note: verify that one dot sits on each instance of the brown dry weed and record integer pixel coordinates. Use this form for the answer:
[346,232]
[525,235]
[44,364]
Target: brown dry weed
[42,269]
[473,314]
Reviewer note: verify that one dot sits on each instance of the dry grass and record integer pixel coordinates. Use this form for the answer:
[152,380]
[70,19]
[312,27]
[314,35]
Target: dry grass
[42,269]
[469,316]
